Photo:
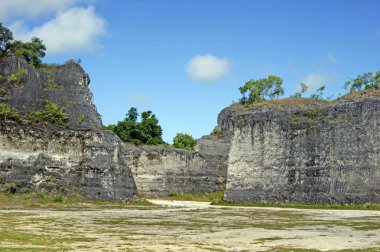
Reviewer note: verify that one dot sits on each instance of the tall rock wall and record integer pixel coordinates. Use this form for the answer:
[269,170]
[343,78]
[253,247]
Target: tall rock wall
[75,157]
[323,155]
[163,171]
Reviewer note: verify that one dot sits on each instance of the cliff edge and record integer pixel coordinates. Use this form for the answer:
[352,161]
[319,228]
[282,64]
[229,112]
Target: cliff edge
[324,153]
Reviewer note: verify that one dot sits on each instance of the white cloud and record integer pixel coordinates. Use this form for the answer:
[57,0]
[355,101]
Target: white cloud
[138,99]
[207,68]
[74,29]
[33,8]
[316,80]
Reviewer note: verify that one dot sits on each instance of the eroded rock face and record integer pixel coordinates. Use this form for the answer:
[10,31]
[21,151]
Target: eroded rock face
[76,157]
[163,171]
[65,85]
[327,155]
[88,162]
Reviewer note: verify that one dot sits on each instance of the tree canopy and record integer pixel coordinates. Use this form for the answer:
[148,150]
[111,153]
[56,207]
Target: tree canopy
[261,89]
[147,131]
[32,51]
[184,141]
[366,81]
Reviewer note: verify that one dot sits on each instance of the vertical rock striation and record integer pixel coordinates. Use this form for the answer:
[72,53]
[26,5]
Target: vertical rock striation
[73,158]
[163,171]
[323,155]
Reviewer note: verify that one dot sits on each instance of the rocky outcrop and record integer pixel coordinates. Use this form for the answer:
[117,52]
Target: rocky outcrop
[328,154]
[76,157]
[65,85]
[163,171]
[88,162]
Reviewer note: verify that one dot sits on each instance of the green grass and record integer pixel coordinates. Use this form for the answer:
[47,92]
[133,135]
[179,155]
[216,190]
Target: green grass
[29,249]
[35,241]
[59,201]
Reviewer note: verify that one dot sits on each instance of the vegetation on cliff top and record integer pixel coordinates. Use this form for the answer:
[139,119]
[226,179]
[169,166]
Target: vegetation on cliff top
[147,131]
[32,51]
[184,141]
[259,91]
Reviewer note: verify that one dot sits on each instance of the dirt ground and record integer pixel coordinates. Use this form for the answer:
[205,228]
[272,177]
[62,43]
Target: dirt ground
[188,226]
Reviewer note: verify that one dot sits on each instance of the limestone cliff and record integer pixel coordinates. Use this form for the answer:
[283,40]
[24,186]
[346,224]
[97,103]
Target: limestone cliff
[88,162]
[66,85]
[163,171]
[325,154]
[77,157]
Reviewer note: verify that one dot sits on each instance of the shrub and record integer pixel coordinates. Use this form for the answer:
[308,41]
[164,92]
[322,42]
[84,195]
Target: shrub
[184,141]
[8,113]
[51,114]
[366,81]
[16,77]
[11,187]
[261,89]
[59,198]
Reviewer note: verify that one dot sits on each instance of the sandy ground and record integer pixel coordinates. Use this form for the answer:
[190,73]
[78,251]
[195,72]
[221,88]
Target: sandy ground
[188,226]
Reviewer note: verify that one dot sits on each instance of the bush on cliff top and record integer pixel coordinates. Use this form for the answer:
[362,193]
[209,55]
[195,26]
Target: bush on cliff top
[271,87]
[184,141]
[32,51]
[261,89]
[148,131]
[364,81]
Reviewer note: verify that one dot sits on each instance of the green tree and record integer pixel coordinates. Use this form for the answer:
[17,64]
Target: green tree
[261,89]
[6,37]
[366,81]
[32,51]
[148,131]
[184,141]
[132,114]
[152,132]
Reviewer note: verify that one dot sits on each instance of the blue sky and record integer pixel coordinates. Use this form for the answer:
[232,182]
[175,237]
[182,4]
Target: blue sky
[185,60]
